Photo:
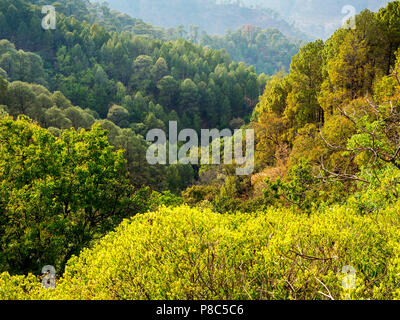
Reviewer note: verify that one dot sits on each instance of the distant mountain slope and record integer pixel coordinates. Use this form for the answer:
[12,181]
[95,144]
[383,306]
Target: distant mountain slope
[100,13]
[319,18]
[269,50]
[212,17]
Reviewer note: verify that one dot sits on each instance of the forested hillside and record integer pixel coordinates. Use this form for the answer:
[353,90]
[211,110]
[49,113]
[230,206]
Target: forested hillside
[224,16]
[268,50]
[318,18]
[128,83]
[100,13]
[77,192]
[88,64]
[327,127]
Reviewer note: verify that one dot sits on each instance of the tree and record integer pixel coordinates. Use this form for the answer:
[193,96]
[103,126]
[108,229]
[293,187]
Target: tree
[57,193]
[159,70]
[188,95]
[119,115]
[141,71]
[194,33]
[20,98]
[60,100]
[305,79]
[79,118]
[3,90]
[390,19]
[270,133]
[168,89]
[350,74]
[225,113]
[274,96]
[298,190]
[55,117]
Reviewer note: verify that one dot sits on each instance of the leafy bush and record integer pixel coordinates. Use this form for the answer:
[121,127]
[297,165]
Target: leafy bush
[184,253]
[19,287]
[56,194]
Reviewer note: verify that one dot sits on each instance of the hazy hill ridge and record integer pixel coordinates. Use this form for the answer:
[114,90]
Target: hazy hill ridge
[212,16]
[318,18]
[304,19]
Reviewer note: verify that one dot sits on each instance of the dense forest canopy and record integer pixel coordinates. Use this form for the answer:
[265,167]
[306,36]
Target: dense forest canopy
[77,192]
[88,63]
[268,50]
[127,82]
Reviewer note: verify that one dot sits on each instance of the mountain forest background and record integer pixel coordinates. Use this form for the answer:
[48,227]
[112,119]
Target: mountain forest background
[76,190]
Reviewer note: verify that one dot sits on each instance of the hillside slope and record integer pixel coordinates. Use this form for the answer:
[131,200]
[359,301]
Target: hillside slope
[224,17]
[191,254]
[319,18]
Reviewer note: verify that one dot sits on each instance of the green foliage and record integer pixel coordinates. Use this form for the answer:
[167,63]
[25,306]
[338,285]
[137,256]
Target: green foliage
[267,50]
[195,194]
[57,194]
[119,115]
[97,68]
[327,149]
[165,198]
[299,189]
[56,112]
[20,65]
[18,287]
[305,78]
[185,253]
[337,108]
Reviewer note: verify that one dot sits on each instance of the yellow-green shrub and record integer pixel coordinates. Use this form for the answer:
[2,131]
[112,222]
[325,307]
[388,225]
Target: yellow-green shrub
[19,287]
[185,253]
